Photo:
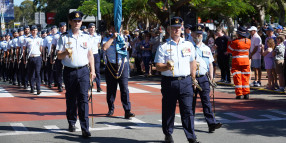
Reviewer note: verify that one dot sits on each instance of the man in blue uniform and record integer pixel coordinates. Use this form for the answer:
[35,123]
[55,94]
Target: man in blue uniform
[76,54]
[95,38]
[176,61]
[58,63]
[204,76]
[116,72]
[33,46]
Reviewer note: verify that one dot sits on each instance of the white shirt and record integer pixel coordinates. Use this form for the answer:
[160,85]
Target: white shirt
[181,54]
[95,39]
[33,45]
[206,53]
[256,41]
[47,42]
[80,46]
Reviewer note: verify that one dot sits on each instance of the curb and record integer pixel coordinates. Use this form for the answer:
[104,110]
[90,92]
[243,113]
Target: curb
[254,88]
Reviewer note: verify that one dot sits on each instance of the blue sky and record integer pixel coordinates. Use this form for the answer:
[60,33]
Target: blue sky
[18,2]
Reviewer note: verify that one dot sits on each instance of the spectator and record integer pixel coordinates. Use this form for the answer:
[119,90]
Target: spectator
[278,54]
[255,56]
[146,53]
[268,59]
[136,52]
[211,44]
[223,56]
[269,62]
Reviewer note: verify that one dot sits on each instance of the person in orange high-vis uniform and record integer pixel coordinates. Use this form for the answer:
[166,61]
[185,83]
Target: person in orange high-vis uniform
[239,48]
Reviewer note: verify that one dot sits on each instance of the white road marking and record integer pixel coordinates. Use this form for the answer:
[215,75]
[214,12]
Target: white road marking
[140,123]
[278,112]
[53,128]
[271,117]
[132,89]
[77,126]
[5,93]
[48,92]
[94,92]
[153,85]
[238,116]
[18,127]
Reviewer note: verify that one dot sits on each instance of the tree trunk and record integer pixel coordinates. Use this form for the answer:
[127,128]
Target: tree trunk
[261,14]
[281,12]
[230,24]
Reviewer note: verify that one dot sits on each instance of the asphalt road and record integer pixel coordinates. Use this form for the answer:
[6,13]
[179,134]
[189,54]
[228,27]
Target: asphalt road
[31,118]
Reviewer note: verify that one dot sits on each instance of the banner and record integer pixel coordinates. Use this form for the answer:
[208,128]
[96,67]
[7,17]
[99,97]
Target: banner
[7,7]
[50,17]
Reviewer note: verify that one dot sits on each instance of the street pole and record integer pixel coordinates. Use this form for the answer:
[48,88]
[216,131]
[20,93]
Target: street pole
[98,18]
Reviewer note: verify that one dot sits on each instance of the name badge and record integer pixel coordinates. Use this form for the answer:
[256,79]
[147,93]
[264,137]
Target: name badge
[186,52]
[206,54]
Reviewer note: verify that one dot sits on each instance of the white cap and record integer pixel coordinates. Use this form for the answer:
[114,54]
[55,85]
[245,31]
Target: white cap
[252,28]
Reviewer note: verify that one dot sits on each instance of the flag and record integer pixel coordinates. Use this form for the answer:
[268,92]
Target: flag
[120,43]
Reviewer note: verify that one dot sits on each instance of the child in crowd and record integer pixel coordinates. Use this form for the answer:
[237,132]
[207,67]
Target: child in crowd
[278,54]
[269,63]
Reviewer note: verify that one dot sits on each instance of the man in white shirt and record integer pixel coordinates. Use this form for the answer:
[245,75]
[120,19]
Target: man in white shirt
[255,55]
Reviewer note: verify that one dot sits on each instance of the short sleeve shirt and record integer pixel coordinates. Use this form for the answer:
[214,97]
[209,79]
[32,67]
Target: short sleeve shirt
[95,40]
[181,54]
[80,46]
[256,41]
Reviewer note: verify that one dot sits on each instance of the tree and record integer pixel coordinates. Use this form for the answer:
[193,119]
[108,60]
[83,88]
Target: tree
[28,12]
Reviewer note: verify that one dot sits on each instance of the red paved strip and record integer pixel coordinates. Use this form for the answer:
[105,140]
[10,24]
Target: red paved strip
[27,107]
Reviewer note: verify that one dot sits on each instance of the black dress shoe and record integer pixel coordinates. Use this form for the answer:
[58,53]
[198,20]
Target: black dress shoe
[49,86]
[238,97]
[99,89]
[32,91]
[71,128]
[194,141]
[55,85]
[212,127]
[110,113]
[86,134]
[39,92]
[246,96]
[169,139]
[25,86]
[128,115]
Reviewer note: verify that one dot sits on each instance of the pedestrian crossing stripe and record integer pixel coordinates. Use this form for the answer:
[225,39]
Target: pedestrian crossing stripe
[153,85]
[132,89]
[48,92]
[20,129]
[5,93]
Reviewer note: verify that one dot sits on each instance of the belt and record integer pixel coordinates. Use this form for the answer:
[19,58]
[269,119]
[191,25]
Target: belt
[176,78]
[76,68]
[33,56]
[198,76]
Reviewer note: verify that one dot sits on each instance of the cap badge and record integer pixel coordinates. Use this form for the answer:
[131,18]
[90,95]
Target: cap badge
[77,15]
[177,21]
[199,28]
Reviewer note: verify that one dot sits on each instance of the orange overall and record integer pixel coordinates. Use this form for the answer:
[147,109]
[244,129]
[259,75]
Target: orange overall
[240,70]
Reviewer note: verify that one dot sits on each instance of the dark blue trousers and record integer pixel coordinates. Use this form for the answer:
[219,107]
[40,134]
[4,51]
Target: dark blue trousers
[174,90]
[97,69]
[35,64]
[112,83]
[24,72]
[146,61]
[50,72]
[59,73]
[77,85]
[205,99]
